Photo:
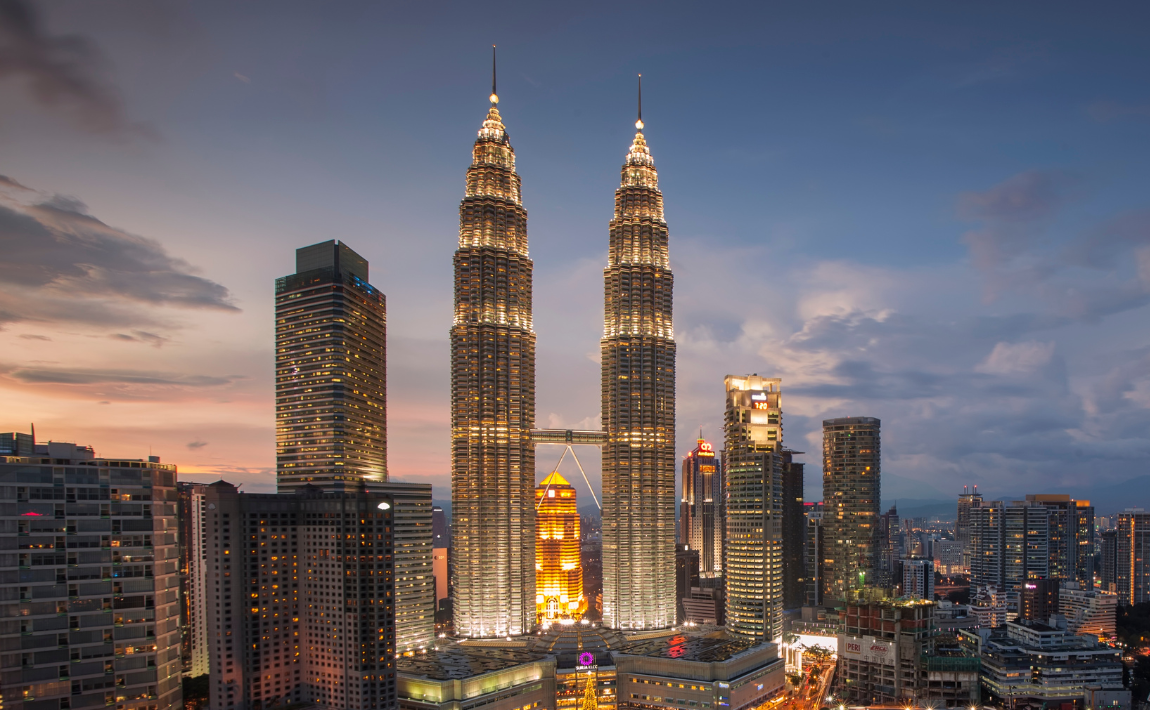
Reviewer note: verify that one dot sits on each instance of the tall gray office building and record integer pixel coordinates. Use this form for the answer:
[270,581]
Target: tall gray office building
[90,579]
[851,491]
[331,373]
[637,356]
[702,516]
[1010,543]
[754,467]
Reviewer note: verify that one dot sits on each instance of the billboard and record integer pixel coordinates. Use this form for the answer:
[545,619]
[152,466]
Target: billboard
[867,649]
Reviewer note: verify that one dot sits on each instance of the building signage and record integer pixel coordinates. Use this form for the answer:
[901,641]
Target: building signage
[586,661]
[867,649]
[759,396]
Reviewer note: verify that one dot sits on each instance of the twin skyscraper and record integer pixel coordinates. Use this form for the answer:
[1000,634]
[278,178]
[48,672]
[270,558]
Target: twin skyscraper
[331,397]
[493,401]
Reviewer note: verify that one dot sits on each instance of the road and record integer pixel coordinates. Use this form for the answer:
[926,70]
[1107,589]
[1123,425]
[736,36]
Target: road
[811,696]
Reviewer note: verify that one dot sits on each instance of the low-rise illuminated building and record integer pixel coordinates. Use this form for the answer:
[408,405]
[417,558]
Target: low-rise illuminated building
[558,572]
[1088,611]
[1032,663]
[707,671]
[460,676]
[585,677]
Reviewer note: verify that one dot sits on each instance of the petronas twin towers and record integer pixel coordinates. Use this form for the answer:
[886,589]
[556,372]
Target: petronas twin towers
[493,401]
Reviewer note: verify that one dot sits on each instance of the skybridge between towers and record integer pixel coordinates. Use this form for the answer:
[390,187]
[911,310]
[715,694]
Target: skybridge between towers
[569,438]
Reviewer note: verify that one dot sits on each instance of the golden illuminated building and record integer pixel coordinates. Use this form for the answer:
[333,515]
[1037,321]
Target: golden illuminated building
[558,573]
[638,404]
[493,398]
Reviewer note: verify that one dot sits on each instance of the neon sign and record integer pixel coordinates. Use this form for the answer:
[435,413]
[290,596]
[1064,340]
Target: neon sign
[586,659]
[761,405]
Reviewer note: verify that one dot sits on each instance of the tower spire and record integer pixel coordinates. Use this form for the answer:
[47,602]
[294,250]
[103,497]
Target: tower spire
[639,123]
[494,94]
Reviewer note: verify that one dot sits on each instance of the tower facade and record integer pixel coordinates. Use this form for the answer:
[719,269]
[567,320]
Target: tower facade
[331,374]
[638,410]
[754,565]
[794,532]
[1132,548]
[493,398]
[701,514]
[558,572]
[851,470]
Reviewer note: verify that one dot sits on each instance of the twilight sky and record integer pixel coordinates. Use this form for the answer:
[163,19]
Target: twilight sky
[934,214]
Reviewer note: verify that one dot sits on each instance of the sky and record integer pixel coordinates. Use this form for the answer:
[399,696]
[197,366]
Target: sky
[935,214]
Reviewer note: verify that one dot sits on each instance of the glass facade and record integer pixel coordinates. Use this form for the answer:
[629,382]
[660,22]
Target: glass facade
[754,467]
[331,376]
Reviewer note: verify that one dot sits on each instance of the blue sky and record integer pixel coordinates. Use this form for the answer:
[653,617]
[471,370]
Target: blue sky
[933,214]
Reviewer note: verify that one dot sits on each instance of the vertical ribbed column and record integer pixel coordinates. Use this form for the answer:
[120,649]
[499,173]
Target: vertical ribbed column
[493,399]
[638,371]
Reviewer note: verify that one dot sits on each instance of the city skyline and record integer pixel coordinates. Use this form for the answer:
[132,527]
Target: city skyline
[172,351]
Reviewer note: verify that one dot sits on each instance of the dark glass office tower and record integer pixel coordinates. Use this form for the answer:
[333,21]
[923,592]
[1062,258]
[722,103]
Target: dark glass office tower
[493,399]
[331,383]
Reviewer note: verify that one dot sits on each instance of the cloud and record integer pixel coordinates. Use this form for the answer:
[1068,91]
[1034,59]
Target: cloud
[1012,213]
[63,264]
[196,445]
[1016,358]
[8,182]
[33,336]
[60,72]
[84,376]
[141,336]
[242,78]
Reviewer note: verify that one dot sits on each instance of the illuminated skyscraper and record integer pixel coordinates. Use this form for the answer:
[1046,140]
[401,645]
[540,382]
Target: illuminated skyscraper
[638,367]
[754,468]
[331,384]
[701,517]
[558,573]
[493,398]
[851,457]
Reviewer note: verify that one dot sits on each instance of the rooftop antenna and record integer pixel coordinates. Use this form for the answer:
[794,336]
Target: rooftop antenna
[494,94]
[33,433]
